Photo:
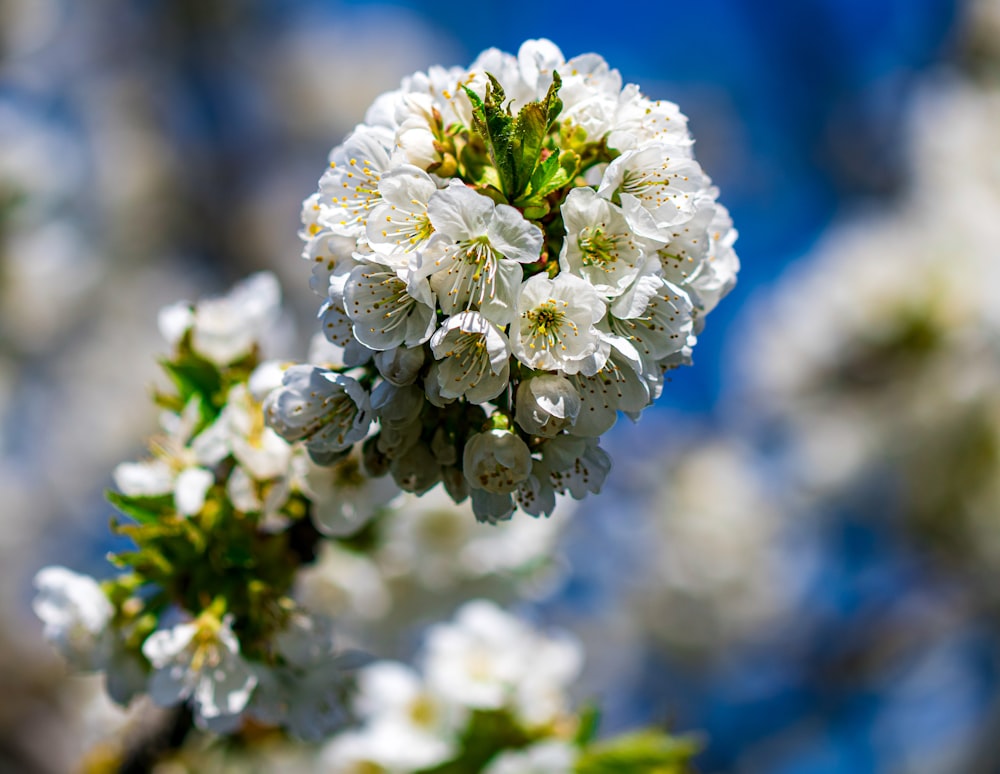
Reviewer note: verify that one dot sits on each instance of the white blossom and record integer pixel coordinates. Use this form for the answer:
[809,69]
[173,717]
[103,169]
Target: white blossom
[417,470]
[332,256]
[550,756]
[554,328]
[474,357]
[181,465]
[400,365]
[654,315]
[576,465]
[327,410]
[306,692]
[395,704]
[388,311]
[600,245]
[226,328]
[432,541]
[496,460]
[200,661]
[474,256]
[343,497]
[343,585]
[618,385]
[487,659]
[491,265]
[547,405]
[657,185]
[349,188]
[400,225]
[76,614]
[476,660]
[640,121]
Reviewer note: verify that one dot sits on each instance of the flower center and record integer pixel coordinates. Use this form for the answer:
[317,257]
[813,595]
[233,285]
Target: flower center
[545,323]
[347,474]
[478,253]
[597,247]
[414,230]
[648,185]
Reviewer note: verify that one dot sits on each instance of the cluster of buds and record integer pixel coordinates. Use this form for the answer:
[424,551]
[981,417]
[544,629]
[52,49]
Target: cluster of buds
[509,255]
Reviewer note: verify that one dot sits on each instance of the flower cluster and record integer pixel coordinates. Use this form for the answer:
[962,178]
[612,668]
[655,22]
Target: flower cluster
[509,255]
[245,550]
[204,612]
[486,669]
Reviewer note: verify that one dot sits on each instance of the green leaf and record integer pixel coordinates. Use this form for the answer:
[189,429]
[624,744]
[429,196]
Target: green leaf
[514,144]
[590,719]
[194,376]
[487,733]
[144,509]
[642,752]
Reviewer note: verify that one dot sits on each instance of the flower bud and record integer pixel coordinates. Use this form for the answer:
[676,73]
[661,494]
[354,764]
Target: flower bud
[496,461]
[546,405]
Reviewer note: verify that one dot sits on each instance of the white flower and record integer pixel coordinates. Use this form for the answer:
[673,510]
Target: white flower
[349,188]
[387,311]
[180,465]
[436,543]
[506,69]
[338,328]
[576,465]
[344,498]
[227,328]
[399,225]
[600,246]
[590,93]
[536,495]
[400,365]
[599,269]
[260,450]
[307,692]
[417,470]
[474,355]
[327,410]
[477,660]
[554,328]
[654,315]
[551,756]
[332,256]
[537,60]
[640,121]
[395,704]
[619,385]
[720,267]
[342,584]
[658,186]
[474,257]
[552,664]
[490,507]
[201,661]
[546,405]
[76,614]
[497,461]
[487,659]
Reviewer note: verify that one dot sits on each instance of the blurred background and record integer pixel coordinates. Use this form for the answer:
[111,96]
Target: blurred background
[798,551]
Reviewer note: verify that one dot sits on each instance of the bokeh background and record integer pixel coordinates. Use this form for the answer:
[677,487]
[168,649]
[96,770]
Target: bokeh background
[798,551]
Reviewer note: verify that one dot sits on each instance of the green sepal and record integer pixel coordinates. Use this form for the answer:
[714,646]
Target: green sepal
[642,752]
[145,509]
